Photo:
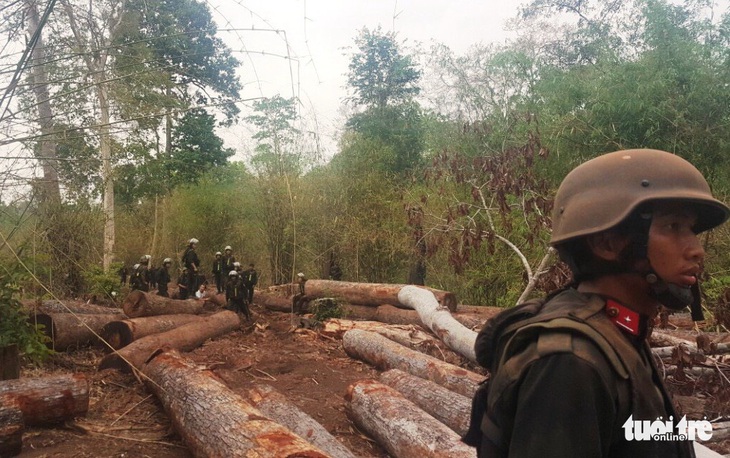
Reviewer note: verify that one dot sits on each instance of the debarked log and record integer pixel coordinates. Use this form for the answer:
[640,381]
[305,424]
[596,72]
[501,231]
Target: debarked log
[118,334]
[11,430]
[47,400]
[185,338]
[451,409]
[138,303]
[212,420]
[68,330]
[373,294]
[400,426]
[278,408]
[385,354]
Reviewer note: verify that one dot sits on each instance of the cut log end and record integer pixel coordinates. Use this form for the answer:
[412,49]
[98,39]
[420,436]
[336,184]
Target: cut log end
[117,334]
[135,303]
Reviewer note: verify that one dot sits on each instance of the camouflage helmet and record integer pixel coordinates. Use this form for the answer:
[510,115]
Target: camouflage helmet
[602,192]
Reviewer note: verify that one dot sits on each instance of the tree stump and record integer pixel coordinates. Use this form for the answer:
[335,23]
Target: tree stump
[9,362]
[47,400]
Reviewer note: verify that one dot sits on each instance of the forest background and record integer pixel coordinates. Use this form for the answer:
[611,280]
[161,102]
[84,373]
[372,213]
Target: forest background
[445,169]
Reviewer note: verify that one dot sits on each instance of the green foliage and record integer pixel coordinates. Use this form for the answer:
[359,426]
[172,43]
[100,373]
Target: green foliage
[326,308]
[14,326]
[275,137]
[103,284]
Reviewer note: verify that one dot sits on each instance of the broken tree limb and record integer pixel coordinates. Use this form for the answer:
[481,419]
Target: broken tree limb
[11,430]
[138,303]
[662,338]
[385,354]
[214,421]
[278,408]
[67,330]
[184,338]
[400,426]
[451,409]
[120,333]
[373,294]
[47,400]
[439,320]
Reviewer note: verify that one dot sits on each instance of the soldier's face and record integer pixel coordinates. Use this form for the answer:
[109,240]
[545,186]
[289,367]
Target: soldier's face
[675,251]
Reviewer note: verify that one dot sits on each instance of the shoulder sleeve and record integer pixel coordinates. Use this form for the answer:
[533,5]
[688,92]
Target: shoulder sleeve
[564,407]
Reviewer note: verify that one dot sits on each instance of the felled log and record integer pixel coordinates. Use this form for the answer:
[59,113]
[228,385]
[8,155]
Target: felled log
[485,310]
[373,294]
[216,300]
[212,420]
[68,330]
[185,338]
[277,407]
[47,400]
[9,362]
[439,320]
[274,302]
[120,333]
[400,426]
[139,303]
[11,430]
[54,306]
[393,315]
[385,354]
[451,409]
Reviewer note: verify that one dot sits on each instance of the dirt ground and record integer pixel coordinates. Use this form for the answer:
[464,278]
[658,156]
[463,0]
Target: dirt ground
[125,420]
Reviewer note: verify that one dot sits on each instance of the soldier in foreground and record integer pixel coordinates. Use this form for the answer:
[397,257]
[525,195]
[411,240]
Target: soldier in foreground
[572,374]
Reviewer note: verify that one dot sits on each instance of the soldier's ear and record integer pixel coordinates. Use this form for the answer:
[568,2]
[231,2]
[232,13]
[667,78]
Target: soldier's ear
[607,245]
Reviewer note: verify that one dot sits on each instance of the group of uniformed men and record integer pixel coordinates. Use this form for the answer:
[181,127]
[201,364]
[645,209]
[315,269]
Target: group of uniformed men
[238,286]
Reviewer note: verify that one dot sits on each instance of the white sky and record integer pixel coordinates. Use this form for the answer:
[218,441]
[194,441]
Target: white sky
[318,31]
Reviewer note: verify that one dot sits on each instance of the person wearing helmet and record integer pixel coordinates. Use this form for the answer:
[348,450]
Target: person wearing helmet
[218,271]
[571,373]
[163,277]
[250,279]
[228,259]
[140,278]
[300,299]
[192,264]
[236,294]
[237,267]
[182,284]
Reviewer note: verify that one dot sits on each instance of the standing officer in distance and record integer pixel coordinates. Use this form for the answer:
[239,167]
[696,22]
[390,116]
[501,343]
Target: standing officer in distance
[228,259]
[250,278]
[570,370]
[218,271]
[192,264]
[163,277]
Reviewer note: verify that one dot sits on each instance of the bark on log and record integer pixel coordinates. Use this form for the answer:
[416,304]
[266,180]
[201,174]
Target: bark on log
[9,362]
[451,409]
[215,301]
[277,407]
[119,334]
[484,310]
[213,420]
[11,430]
[53,306]
[47,400]
[274,302]
[385,354]
[402,428]
[373,294]
[185,338]
[67,330]
[394,315]
[439,320]
[139,303]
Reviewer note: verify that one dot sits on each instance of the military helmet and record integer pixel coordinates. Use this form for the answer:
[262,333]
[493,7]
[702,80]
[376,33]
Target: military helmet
[143,259]
[602,192]
[236,264]
[218,253]
[228,248]
[167,261]
[192,241]
[233,273]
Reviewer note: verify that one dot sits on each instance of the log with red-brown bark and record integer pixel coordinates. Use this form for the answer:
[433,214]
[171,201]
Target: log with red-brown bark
[68,330]
[11,430]
[401,427]
[138,303]
[451,409]
[54,306]
[185,338]
[274,302]
[47,400]
[373,294]
[212,420]
[120,333]
[385,354]
[394,315]
[278,408]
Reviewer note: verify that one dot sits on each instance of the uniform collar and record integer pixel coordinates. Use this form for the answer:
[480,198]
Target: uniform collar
[624,318]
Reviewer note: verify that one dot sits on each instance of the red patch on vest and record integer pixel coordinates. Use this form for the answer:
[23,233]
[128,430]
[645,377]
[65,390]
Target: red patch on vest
[625,318]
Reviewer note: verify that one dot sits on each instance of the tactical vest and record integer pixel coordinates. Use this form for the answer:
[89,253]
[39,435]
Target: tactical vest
[574,323]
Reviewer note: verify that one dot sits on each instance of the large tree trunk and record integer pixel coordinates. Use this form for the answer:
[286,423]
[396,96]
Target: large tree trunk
[47,400]
[138,304]
[185,338]
[402,428]
[451,409]
[53,306]
[385,354]
[211,419]
[119,334]
[11,430]
[274,302]
[394,315]
[278,408]
[373,294]
[439,320]
[71,331]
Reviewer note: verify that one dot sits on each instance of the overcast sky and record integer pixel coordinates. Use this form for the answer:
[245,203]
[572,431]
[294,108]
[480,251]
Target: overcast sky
[318,31]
